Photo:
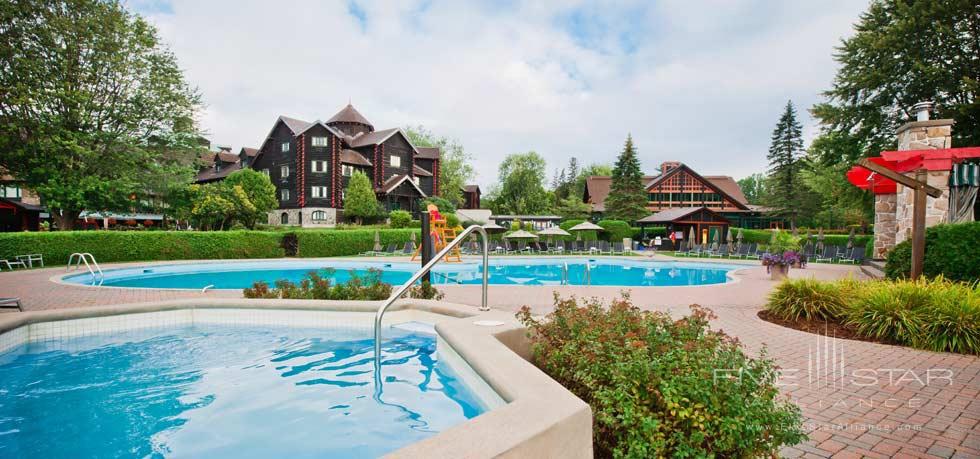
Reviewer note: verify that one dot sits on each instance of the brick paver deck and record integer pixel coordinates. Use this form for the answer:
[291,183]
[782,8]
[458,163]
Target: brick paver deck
[858,398]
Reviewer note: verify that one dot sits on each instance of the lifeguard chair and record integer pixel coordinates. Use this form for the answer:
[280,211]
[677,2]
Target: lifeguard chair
[441,234]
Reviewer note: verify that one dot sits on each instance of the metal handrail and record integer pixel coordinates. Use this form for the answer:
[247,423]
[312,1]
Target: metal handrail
[418,275]
[564,273]
[588,273]
[83,257]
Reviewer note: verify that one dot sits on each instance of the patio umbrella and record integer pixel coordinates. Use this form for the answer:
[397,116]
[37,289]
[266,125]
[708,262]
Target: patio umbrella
[521,234]
[377,241]
[850,239]
[731,240]
[693,239]
[796,232]
[739,238]
[717,240]
[584,226]
[820,240]
[552,232]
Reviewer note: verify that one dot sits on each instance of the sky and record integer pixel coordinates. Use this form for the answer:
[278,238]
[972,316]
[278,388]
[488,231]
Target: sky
[702,82]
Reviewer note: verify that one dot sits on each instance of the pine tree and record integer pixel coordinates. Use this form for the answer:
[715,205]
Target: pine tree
[785,156]
[627,198]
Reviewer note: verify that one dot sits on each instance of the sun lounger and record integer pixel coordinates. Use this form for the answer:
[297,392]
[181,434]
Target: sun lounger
[722,251]
[559,248]
[828,255]
[756,252]
[31,258]
[10,265]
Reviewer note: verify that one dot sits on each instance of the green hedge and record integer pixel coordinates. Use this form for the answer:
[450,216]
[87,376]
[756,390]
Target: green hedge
[764,236]
[112,246]
[331,243]
[615,230]
[951,251]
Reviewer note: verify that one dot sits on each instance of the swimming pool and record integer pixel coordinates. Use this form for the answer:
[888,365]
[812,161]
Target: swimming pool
[581,271]
[220,390]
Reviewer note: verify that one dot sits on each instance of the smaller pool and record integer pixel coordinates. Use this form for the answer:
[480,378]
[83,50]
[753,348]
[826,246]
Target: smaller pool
[526,271]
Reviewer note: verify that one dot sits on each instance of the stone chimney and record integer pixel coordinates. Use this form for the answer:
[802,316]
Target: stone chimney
[669,165]
[923,134]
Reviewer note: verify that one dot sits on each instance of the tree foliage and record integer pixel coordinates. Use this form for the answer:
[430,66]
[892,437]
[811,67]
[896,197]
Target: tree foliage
[755,188]
[785,156]
[627,198]
[245,197]
[256,198]
[521,190]
[94,109]
[455,168]
[904,52]
[359,199]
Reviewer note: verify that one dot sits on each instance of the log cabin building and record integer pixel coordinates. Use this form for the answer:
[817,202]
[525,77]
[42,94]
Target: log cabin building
[679,186]
[310,164]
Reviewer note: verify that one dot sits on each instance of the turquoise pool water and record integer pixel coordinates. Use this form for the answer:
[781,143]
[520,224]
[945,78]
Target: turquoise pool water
[221,391]
[600,271]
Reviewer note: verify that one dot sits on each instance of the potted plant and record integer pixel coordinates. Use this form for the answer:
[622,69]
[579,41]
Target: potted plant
[777,265]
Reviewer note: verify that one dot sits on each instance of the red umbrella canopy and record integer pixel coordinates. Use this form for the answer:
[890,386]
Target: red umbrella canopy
[865,179]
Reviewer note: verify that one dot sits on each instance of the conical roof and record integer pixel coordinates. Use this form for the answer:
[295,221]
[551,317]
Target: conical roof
[349,114]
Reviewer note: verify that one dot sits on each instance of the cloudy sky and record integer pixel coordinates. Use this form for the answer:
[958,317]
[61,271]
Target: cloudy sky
[702,82]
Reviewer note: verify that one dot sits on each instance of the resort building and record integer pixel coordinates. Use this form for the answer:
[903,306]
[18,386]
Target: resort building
[471,197]
[310,164]
[679,186]
[20,208]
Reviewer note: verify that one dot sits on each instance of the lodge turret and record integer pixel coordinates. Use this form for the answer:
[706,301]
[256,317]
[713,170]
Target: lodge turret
[310,164]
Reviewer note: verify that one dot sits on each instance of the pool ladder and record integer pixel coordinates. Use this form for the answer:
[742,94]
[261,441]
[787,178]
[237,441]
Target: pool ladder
[83,257]
[484,246]
[564,274]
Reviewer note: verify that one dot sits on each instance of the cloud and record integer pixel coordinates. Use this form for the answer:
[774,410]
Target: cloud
[699,82]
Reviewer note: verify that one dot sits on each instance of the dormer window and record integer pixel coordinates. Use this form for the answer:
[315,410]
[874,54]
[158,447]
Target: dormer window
[285,147]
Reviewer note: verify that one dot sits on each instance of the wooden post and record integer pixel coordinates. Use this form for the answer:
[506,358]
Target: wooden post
[919,224]
[426,247]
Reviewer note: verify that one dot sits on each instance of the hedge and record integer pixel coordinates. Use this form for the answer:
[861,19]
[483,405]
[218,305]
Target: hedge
[327,243]
[757,236]
[112,246]
[615,230]
[952,250]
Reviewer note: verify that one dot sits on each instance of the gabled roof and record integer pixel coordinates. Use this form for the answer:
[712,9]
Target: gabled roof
[396,180]
[226,157]
[349,114]
[374,138]
[210,175]
[348,156]
[250,152]
[677,213]
[726,181]
[597,189]
[729,186]
[428,152]
[294,125]
[421,172]
[471,188]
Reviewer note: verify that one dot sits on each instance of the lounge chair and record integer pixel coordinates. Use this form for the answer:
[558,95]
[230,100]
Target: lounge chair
[722,251]
[11,303]
[559,248]
[828,255]
[31,258]
[408,249]
[755,252]
[697,251]
[681,251]
[617,249]
[605,248]
[527,247]
[856,256]
[12,264]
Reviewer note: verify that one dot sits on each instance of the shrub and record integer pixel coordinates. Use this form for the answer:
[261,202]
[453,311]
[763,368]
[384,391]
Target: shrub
[452,220]
[400,219]
[315,286]
[113,246]
[444,205]
[334,243]
[425,291]
[758,236]
[952,251]
[615,230]
[892,312]
[808,299]
[659,387]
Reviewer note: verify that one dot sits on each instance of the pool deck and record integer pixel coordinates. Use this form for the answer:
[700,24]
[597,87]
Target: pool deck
[905,403]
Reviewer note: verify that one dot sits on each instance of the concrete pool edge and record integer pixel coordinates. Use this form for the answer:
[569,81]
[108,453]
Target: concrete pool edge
[540,418]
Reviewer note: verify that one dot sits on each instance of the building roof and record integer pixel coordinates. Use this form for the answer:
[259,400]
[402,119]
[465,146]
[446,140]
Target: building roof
[23,205]
[209,174]
[669,215]
[348,156]
[372,138]
[396,180]
[294,124]
[250,152]
[729,186]
[471,188]
[597,189]
[428,152]
[226,157]
[349,114]
[597,186]
[421,172]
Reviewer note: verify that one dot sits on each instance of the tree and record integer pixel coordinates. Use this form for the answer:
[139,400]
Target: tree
[93,106]
[573,208]
[784,156]
[258,192]
[627,198]
[754,187]
[212,208]
[595,169]
[455,170]
[521,178]
[904,52]
[359,199]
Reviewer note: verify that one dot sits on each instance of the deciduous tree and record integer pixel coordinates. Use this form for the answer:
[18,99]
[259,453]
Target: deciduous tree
[359,199]
[455,168]
[521,190]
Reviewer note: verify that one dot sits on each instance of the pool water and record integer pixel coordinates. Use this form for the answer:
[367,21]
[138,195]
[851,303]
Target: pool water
[225,391]
[600,271]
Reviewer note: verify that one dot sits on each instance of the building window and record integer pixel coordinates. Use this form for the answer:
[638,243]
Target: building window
[347,170]
[319,166]
[284,218]
[416,180]
[395,161]
[266,172]
[319,141]
[319,216]
[284,171]
[319,192]
[285,147]
[10,191]
[284,194]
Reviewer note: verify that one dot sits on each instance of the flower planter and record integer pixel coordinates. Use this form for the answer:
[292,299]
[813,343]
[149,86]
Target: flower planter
[778,272]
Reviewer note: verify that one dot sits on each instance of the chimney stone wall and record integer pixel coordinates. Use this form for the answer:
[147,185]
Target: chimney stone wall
[923,135]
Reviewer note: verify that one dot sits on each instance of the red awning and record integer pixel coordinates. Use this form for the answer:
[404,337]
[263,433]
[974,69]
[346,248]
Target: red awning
[867,180]
[933,160]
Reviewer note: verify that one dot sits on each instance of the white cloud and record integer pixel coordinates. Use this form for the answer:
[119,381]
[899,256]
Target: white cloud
[700,82]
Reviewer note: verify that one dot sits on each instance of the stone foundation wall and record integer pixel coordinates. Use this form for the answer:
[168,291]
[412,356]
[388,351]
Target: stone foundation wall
[304,217]
[937,209]
[885,224]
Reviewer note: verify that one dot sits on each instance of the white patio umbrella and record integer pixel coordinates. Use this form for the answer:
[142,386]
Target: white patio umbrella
[584,226]
[521,234]
[377,241]
[552,232]
[693,240]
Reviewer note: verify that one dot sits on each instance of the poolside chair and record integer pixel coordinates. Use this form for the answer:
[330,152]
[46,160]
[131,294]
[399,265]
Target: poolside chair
[742,251]
[559,247]
[12,264]
[721,252]
[391,250]
[31,258]
[617,249]
[681,251]
[856,256]
[544,247]
[526,247]
[697,251]
[828,255]
[498,248]
[407,249]
[11,303]
[605,248]
[755,252]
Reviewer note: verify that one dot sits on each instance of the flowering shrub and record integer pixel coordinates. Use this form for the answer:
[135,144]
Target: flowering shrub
[319,287]
[660,387]
[787,258]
